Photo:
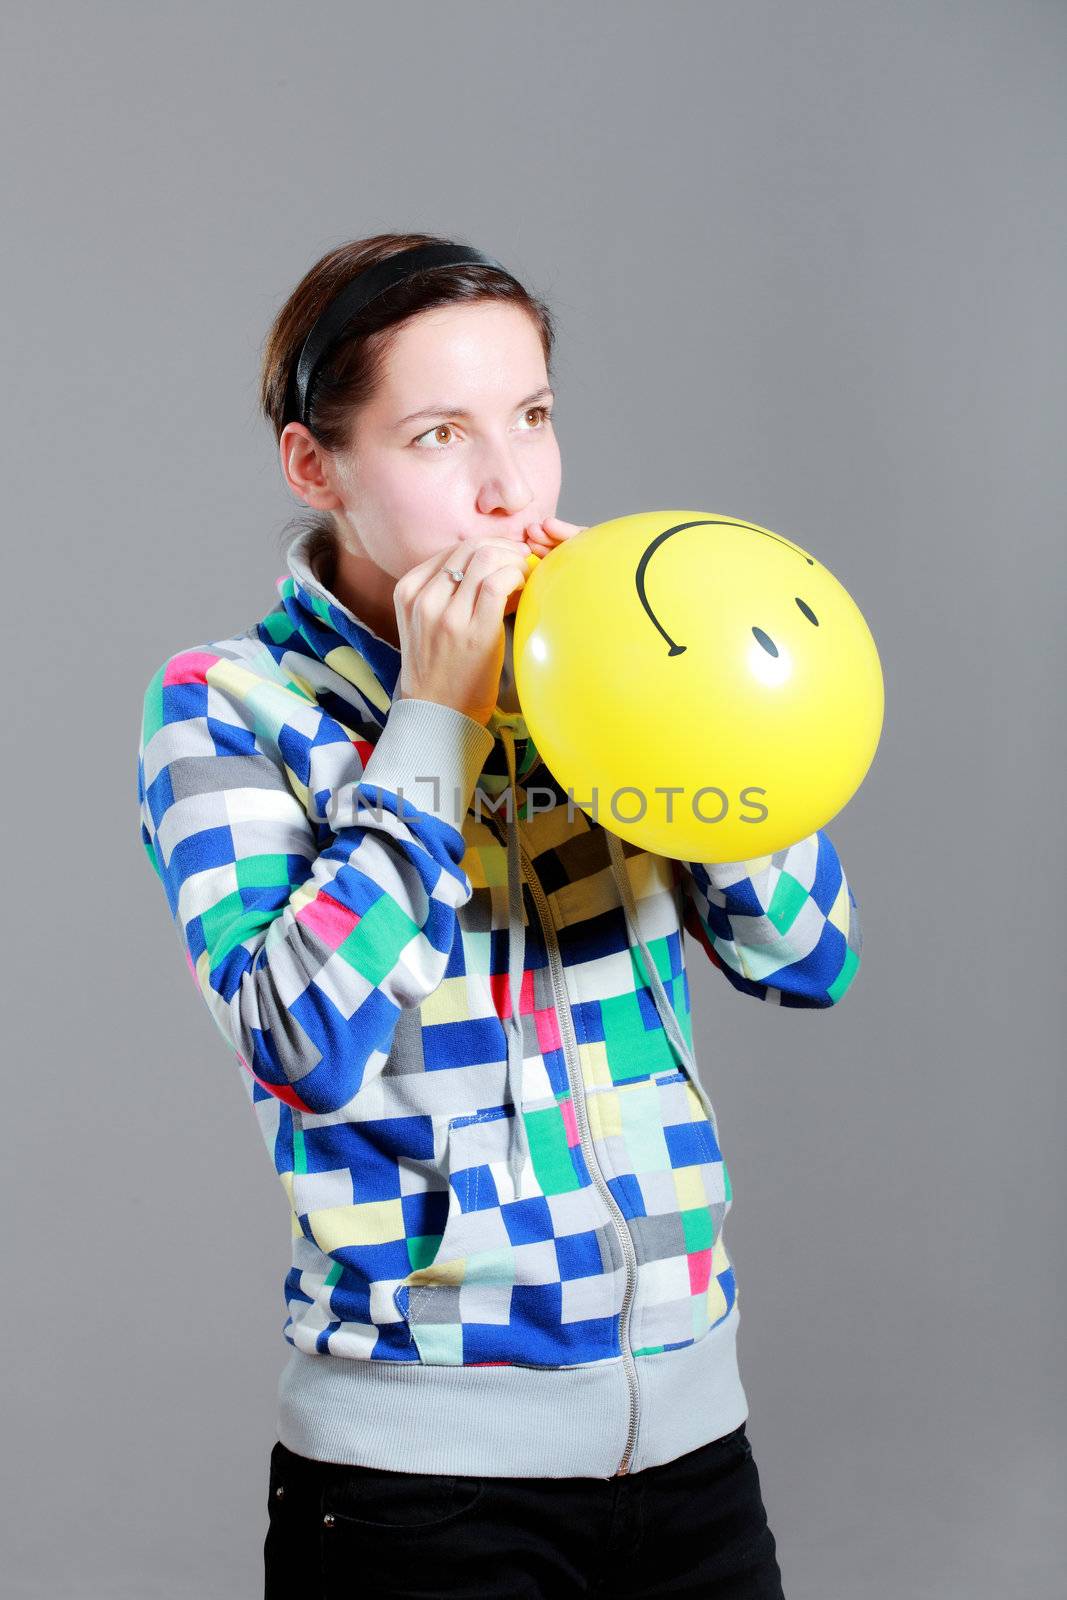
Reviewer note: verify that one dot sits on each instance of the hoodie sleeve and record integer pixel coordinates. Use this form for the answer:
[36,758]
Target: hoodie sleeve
[783,928]
[304,956]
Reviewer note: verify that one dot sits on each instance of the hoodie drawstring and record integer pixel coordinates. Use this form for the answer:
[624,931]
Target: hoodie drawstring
[659,993]
[520,1141]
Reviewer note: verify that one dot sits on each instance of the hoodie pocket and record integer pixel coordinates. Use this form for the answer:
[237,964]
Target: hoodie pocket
[685,1277]
[476,1246]
[692,1140]
[532,1280]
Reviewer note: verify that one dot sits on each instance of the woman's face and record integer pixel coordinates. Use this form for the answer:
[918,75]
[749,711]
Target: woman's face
[479,458]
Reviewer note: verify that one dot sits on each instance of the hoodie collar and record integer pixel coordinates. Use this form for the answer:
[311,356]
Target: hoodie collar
[333,633]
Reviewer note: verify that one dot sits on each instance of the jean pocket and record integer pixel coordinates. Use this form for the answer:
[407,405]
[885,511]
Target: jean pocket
[376,1500]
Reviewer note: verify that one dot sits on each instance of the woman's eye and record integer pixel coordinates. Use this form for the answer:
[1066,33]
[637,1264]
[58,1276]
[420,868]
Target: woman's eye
[440,428]
[544,412]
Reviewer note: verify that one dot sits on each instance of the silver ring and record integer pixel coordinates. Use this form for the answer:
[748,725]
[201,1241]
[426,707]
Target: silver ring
[455,573]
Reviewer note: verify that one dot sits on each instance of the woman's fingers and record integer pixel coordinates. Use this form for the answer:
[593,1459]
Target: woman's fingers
[539,539]
[493,573]
[550,531]
[411,590]
[451,633]
[493,592]
[418,580]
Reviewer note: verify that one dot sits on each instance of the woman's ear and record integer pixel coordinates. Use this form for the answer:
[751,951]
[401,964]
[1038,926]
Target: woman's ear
[305,469]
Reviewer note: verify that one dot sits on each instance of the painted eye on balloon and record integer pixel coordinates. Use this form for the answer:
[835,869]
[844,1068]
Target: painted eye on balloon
[765,639]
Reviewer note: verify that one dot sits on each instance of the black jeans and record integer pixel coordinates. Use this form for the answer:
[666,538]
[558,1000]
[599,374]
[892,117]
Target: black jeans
[695,1526]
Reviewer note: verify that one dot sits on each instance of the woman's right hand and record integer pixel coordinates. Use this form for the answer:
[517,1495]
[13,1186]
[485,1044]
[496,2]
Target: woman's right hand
[452,634]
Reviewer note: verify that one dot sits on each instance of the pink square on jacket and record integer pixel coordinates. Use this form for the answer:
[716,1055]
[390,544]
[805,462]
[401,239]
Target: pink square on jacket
[329,919]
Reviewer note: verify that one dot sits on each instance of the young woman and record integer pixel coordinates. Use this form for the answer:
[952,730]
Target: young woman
[459,1005]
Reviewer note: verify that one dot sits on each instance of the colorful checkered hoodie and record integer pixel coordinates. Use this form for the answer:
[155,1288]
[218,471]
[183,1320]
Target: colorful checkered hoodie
[460,1009]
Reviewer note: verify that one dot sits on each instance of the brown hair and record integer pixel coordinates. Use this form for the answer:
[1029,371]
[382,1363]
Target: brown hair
[354,367]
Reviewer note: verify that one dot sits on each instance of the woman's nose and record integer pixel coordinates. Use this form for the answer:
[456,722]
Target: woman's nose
[505,490]
[507,516]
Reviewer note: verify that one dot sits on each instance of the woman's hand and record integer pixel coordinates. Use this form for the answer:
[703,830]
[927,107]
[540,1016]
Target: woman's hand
[452,634]
[545,536]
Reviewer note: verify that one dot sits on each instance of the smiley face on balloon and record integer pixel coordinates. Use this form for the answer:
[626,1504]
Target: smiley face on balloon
[703,686]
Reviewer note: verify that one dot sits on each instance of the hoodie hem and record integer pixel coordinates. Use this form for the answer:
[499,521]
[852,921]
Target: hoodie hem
[511,1421]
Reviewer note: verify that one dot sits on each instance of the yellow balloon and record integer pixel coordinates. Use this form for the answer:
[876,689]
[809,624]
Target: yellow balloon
[680,650]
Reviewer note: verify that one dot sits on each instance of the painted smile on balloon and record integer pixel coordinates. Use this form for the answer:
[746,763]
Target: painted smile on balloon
[761,637]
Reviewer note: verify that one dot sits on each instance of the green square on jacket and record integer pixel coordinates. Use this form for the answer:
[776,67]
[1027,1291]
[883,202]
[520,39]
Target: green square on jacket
[376,941]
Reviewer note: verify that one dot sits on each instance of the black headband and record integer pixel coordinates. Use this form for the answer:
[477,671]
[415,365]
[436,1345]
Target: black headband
[375,280]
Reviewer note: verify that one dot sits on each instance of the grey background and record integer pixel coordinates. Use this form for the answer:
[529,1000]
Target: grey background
[807,264]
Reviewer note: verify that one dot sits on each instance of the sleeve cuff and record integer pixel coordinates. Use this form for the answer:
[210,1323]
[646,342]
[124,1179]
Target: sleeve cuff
[432,752]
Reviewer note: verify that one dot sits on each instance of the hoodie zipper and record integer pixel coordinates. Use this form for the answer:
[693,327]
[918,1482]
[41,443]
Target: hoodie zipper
[577,1083]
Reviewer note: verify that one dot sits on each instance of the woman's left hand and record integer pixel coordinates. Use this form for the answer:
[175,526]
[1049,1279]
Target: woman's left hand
[545,536]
